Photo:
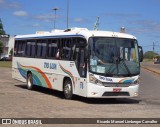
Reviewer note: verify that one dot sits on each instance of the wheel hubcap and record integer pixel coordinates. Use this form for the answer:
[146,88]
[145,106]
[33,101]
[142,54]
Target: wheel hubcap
[67,89]
[29,81]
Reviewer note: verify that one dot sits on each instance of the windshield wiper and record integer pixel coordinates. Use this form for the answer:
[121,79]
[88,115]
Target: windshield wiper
[121,59]
[117,61]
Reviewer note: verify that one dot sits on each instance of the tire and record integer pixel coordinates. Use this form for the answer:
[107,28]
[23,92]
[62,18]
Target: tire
[67,89]
[29,81]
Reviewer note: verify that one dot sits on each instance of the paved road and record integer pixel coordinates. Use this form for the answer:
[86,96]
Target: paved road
[152,67]
[150,88]
[17,101]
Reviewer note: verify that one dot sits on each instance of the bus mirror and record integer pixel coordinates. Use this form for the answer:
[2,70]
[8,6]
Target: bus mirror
[140,49]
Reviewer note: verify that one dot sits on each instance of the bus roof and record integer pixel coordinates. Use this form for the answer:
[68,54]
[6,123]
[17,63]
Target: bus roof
[74,32]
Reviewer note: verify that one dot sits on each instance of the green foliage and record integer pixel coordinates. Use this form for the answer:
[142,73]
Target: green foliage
[7,64]
[1,47]
[149,55]
[157,56]
[2,32]
[11,51]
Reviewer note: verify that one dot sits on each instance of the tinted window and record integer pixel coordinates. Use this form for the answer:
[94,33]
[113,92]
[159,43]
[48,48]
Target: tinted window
[44,49]
[19,49]
[67,48]
[41,48]
[30,50]
[52,48]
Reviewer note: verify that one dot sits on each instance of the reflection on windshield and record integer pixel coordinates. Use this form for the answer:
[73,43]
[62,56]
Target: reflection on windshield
[114,56]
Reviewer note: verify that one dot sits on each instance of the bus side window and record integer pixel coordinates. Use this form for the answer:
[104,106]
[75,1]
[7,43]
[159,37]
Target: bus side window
[76,57]
[33,47]
[19,47]
[44,48]
[82,68]
[80,61]
[73,52]
[28,48]
[38,54]
[52,48]
[23,48]
[15,48]
[67,48]
[81,42]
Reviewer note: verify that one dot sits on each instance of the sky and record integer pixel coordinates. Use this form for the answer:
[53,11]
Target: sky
[141,18]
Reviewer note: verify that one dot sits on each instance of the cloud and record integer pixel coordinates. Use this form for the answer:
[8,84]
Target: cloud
[145,26]
[44,17]
[31,25]
[137,30]
[81,20]
[36,25]
[14,5]
[9,5]
[2,1]
[20,13]
[123,15]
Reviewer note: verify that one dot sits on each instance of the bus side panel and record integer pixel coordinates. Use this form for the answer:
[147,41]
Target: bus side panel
[22,66]
[81,87]
[57,82]
[69,69]
[49,73]
[15,72]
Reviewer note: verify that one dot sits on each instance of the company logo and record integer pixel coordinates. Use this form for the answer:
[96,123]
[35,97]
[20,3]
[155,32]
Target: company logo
[6,121]
[81,85]
[50,65]
[105,79]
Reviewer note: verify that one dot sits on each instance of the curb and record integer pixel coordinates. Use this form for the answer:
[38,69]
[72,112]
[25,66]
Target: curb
[151,70]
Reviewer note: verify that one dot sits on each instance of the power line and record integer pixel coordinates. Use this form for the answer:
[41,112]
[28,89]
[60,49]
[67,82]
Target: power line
[147,46]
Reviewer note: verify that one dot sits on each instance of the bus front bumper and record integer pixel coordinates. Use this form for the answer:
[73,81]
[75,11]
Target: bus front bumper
[96,91]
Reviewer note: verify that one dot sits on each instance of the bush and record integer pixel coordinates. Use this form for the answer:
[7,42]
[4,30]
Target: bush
[150,55]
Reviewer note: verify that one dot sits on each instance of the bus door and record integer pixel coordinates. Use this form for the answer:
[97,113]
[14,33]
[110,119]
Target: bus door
[81,64]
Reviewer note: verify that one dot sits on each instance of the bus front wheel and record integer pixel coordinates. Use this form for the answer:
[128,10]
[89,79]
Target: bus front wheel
[29,81]
[67,89]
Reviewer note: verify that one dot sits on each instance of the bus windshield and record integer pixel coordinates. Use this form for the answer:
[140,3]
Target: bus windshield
[113,56]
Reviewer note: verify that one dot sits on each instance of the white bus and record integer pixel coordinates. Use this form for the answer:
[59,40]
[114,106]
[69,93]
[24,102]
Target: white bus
[77,61]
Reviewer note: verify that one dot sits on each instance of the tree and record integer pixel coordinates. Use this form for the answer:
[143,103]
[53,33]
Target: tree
[11,52]
[150,55]
[2,32]
[1,48]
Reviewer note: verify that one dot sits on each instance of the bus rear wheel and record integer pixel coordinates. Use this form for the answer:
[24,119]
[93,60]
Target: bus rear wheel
[29,81]
[67,89]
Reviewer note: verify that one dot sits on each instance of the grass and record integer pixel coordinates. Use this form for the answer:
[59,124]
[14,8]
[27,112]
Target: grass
[147,60]
[7,64]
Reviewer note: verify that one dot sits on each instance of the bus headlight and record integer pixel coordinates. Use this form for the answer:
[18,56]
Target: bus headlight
[137,81]
[93,80]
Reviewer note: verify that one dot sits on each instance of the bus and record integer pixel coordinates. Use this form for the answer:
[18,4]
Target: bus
[78,61]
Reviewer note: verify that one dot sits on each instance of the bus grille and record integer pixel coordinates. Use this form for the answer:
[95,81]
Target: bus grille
[115,85]
[116,94]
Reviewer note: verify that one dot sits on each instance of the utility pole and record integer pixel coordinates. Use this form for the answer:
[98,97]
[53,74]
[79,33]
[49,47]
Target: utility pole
[67,14]
[153,46]
[96,24]
[55,9]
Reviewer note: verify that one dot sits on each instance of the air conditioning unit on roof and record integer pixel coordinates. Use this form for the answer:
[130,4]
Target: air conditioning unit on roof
[75,29]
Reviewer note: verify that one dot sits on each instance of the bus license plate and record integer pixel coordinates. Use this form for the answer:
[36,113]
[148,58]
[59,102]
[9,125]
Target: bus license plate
[117,89]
